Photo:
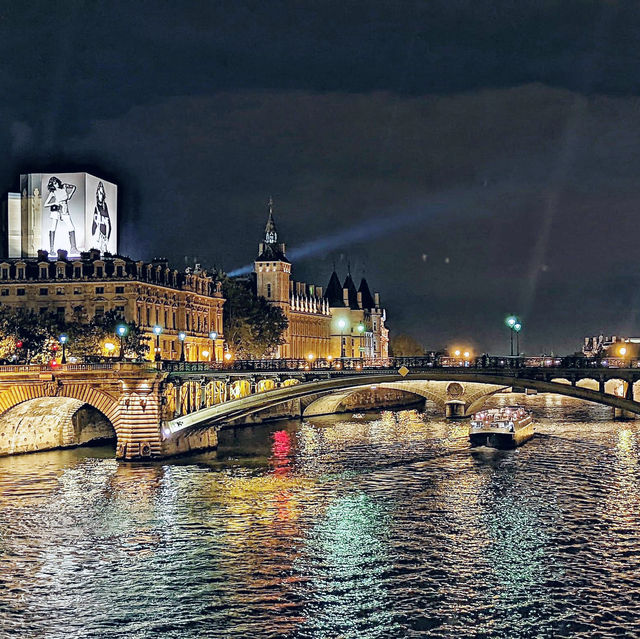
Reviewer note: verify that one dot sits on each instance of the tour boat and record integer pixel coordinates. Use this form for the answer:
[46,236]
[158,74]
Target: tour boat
[501,427]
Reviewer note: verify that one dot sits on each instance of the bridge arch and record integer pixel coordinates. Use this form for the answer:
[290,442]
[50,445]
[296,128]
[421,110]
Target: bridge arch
[41,416]
[245,406]
[52,422]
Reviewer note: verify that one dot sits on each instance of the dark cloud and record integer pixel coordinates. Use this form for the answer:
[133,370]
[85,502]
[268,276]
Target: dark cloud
[500,136]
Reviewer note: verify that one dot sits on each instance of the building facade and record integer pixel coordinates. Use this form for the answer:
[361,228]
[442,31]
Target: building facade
[341,321]
[149,294]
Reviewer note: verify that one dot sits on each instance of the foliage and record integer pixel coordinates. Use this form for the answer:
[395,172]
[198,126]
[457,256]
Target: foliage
[253,328]
[29,337]
[403,345]
[26,336]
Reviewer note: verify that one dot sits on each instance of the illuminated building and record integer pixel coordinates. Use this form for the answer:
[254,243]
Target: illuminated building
[341,322]
[149,294]
[611,346]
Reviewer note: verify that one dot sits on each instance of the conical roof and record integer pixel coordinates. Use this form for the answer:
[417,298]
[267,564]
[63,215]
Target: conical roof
[353,292]
[367,298]
[271,250]
[333,293]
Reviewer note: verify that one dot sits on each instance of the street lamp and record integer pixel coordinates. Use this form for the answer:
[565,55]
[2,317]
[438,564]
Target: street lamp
[310,358]
[109,347]
[213,336]
[517,327]
[121,332]
[511,321]
[63,340]
[342,323]
[361,331]
[157,329]
[182,336]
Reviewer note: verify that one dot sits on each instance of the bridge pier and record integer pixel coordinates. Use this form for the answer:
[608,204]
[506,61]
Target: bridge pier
[455,409]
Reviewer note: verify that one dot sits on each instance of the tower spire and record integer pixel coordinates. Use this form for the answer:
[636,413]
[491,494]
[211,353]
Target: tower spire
[270,231]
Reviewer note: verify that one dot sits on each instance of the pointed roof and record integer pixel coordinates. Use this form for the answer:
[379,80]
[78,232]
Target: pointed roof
[333,293]
[353,292]
[270,250]
[270,231]
[367,298]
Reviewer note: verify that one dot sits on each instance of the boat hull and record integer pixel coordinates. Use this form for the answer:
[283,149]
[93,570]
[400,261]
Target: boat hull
[502,440]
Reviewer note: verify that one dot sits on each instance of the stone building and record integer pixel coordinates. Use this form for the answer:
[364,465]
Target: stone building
[150,294]
[340,322]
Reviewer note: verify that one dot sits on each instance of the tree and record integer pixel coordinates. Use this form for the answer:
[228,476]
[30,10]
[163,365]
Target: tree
[88,337]
[28,337]
[403,345]
[253,328]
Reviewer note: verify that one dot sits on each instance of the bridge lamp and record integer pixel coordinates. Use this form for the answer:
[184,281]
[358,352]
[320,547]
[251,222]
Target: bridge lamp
[109,347]
[121,332]
[157,330]
[622,350]
[228,356]
[466,354]
[63,340]
[182,336]
[205,354]
[457,353]
[213,336]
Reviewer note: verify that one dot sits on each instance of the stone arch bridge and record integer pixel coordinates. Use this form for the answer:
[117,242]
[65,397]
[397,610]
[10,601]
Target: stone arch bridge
[159,412]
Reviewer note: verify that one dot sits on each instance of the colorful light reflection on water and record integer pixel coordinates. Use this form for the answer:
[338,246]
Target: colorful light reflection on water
[388,526]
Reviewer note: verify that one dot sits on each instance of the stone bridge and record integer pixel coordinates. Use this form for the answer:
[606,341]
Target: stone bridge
[155,412]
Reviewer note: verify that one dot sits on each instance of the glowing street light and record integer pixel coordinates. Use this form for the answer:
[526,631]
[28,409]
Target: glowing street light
[182,336]
[456,353]
[517,327]
[109,347]
[63,340]
[342,324]
[157,329]
[121,332]
[512,321]
[213,336]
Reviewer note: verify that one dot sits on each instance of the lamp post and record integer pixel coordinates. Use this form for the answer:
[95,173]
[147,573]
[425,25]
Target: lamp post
[213,336]
[361,332]
[511,321]
[157,330]
[517,327]
[121,332]
[63,340]
[182,336]
[341,324]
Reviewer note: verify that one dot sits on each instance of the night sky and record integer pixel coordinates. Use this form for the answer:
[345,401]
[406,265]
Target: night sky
[473,158]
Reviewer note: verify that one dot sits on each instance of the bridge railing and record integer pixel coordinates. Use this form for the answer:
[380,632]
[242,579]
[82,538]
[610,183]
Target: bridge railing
[30,368]
[394,363]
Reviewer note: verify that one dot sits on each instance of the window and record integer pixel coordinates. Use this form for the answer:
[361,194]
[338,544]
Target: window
[44,272]
[60,272]
[120,289]
[77,291]
[120,311]
[60,312]
[44,291]
[5,273]
[20,291]
[269,290]
[174,319]
[148,317]
[21,273]
[188,318]
[4,292]
[77,271]
[119,272]
[99,312]
[99,271]
[99,290]
[59,291]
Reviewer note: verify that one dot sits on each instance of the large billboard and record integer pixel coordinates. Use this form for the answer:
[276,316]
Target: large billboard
[70,211]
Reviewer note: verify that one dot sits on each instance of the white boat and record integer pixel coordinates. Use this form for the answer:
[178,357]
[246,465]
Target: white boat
[501,427]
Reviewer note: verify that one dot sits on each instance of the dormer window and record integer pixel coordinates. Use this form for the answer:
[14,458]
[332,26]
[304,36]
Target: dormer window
[5,273]
[60,272]
[119,271]
[21,272]
[99,271]
[44,272]
[77,270]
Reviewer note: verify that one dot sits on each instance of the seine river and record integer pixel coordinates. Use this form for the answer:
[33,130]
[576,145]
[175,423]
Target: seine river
[386,525]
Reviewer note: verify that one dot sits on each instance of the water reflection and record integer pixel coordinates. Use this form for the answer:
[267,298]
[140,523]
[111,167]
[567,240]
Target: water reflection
[382,526]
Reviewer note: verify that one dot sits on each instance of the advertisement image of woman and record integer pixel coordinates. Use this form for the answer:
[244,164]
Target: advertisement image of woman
[58,203]
[101,220]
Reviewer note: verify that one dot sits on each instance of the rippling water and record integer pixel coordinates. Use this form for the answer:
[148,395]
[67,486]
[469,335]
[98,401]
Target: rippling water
[384,526]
